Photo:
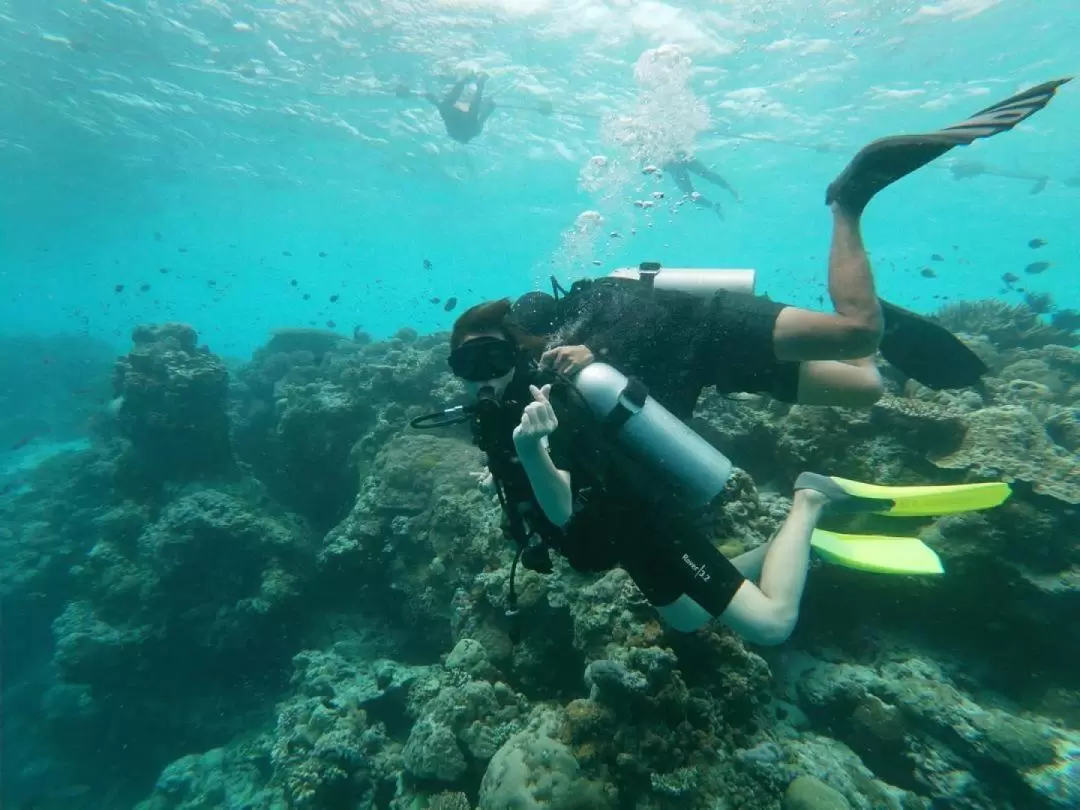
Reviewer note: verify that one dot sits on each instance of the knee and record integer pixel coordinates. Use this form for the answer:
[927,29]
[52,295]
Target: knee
[861,337]
[774,629]
[866,389]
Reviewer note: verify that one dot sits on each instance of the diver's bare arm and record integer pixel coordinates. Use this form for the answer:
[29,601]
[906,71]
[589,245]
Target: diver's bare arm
[550,485]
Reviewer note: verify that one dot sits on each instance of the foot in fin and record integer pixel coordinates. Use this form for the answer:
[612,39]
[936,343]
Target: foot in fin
[842,500]
[854,497]
[928,352]
[886,160]
[880,554]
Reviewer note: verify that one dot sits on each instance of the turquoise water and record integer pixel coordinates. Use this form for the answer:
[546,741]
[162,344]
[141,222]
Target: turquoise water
[171,535]
[238,131]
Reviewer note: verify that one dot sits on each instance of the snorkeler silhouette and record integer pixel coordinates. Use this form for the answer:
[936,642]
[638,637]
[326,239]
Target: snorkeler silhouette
[680,168]
[464,121]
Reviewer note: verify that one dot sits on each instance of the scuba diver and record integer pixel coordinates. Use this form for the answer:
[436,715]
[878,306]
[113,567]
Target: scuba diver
[597,470]
[679,170]
[464,121]
[681,337]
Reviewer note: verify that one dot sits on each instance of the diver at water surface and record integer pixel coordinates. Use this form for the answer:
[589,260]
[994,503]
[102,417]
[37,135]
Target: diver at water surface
[463,120]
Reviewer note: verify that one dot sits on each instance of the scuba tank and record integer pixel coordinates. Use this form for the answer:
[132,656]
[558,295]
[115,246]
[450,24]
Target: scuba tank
[699,281]
[695,469]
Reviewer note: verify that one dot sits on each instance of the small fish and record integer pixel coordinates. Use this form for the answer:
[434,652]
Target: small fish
[292,282]
[145,288]
[211,283]
[307,296]
[615,235]
[285,253]
[163,270]
[119,288]
[182,250]
[22,441]
[436,300]
[1036,267]
[936,257]
[330,324]
[333,299]
[1036,243]
[1009,278]
[427,264]
[927,272]
[597,262]
[157,236]
[322,254]
[450,304]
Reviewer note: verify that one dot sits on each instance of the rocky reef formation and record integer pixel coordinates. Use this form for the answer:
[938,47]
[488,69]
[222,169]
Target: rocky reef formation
[171,408]
[312,613]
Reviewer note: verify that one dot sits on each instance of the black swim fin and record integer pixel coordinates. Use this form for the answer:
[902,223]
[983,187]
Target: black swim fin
[928,352]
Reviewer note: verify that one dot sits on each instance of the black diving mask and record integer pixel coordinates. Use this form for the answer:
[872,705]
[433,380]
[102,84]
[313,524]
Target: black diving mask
[483,358]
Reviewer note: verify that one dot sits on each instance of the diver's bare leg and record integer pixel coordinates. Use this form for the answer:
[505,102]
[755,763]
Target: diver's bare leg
[749,563]
[766,614]
[851,282]
[855,330]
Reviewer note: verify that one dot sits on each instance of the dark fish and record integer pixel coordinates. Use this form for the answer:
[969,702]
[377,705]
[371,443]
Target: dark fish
[285,253]
[292,282]
[322,254]
[1036,267]
[1036,243]
[23,441]
[145,288]
[157,236]
[926,272]
[436,300]
[182,250]
[427,264]
[163,270]
[1009,278]
[450,304]
[936,257]
[118,288]
[333,299]
[331,324]
[211,283]
[307,296]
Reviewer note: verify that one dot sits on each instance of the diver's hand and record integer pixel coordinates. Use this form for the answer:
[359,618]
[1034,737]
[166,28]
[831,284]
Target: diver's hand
[538,421]
[568,360]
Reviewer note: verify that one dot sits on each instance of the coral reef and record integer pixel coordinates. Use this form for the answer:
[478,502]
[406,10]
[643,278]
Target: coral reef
[172,407]
[276,572]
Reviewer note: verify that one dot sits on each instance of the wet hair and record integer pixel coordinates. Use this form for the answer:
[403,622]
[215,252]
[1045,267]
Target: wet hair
[536,312]
[494,316]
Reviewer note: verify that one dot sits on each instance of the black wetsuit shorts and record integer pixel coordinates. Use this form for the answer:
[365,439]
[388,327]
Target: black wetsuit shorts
[666,555]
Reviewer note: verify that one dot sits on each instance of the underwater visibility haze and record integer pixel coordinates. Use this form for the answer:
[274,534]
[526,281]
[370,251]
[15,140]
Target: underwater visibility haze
[283,525]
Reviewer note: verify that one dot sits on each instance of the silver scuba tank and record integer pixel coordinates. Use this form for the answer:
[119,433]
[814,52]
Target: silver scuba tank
[650,432]
[700,281]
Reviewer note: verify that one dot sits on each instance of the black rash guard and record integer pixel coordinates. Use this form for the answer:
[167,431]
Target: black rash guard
[677,343]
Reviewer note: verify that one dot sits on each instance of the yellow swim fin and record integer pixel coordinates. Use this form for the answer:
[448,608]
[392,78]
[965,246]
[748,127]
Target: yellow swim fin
[846,496]
[877,553]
